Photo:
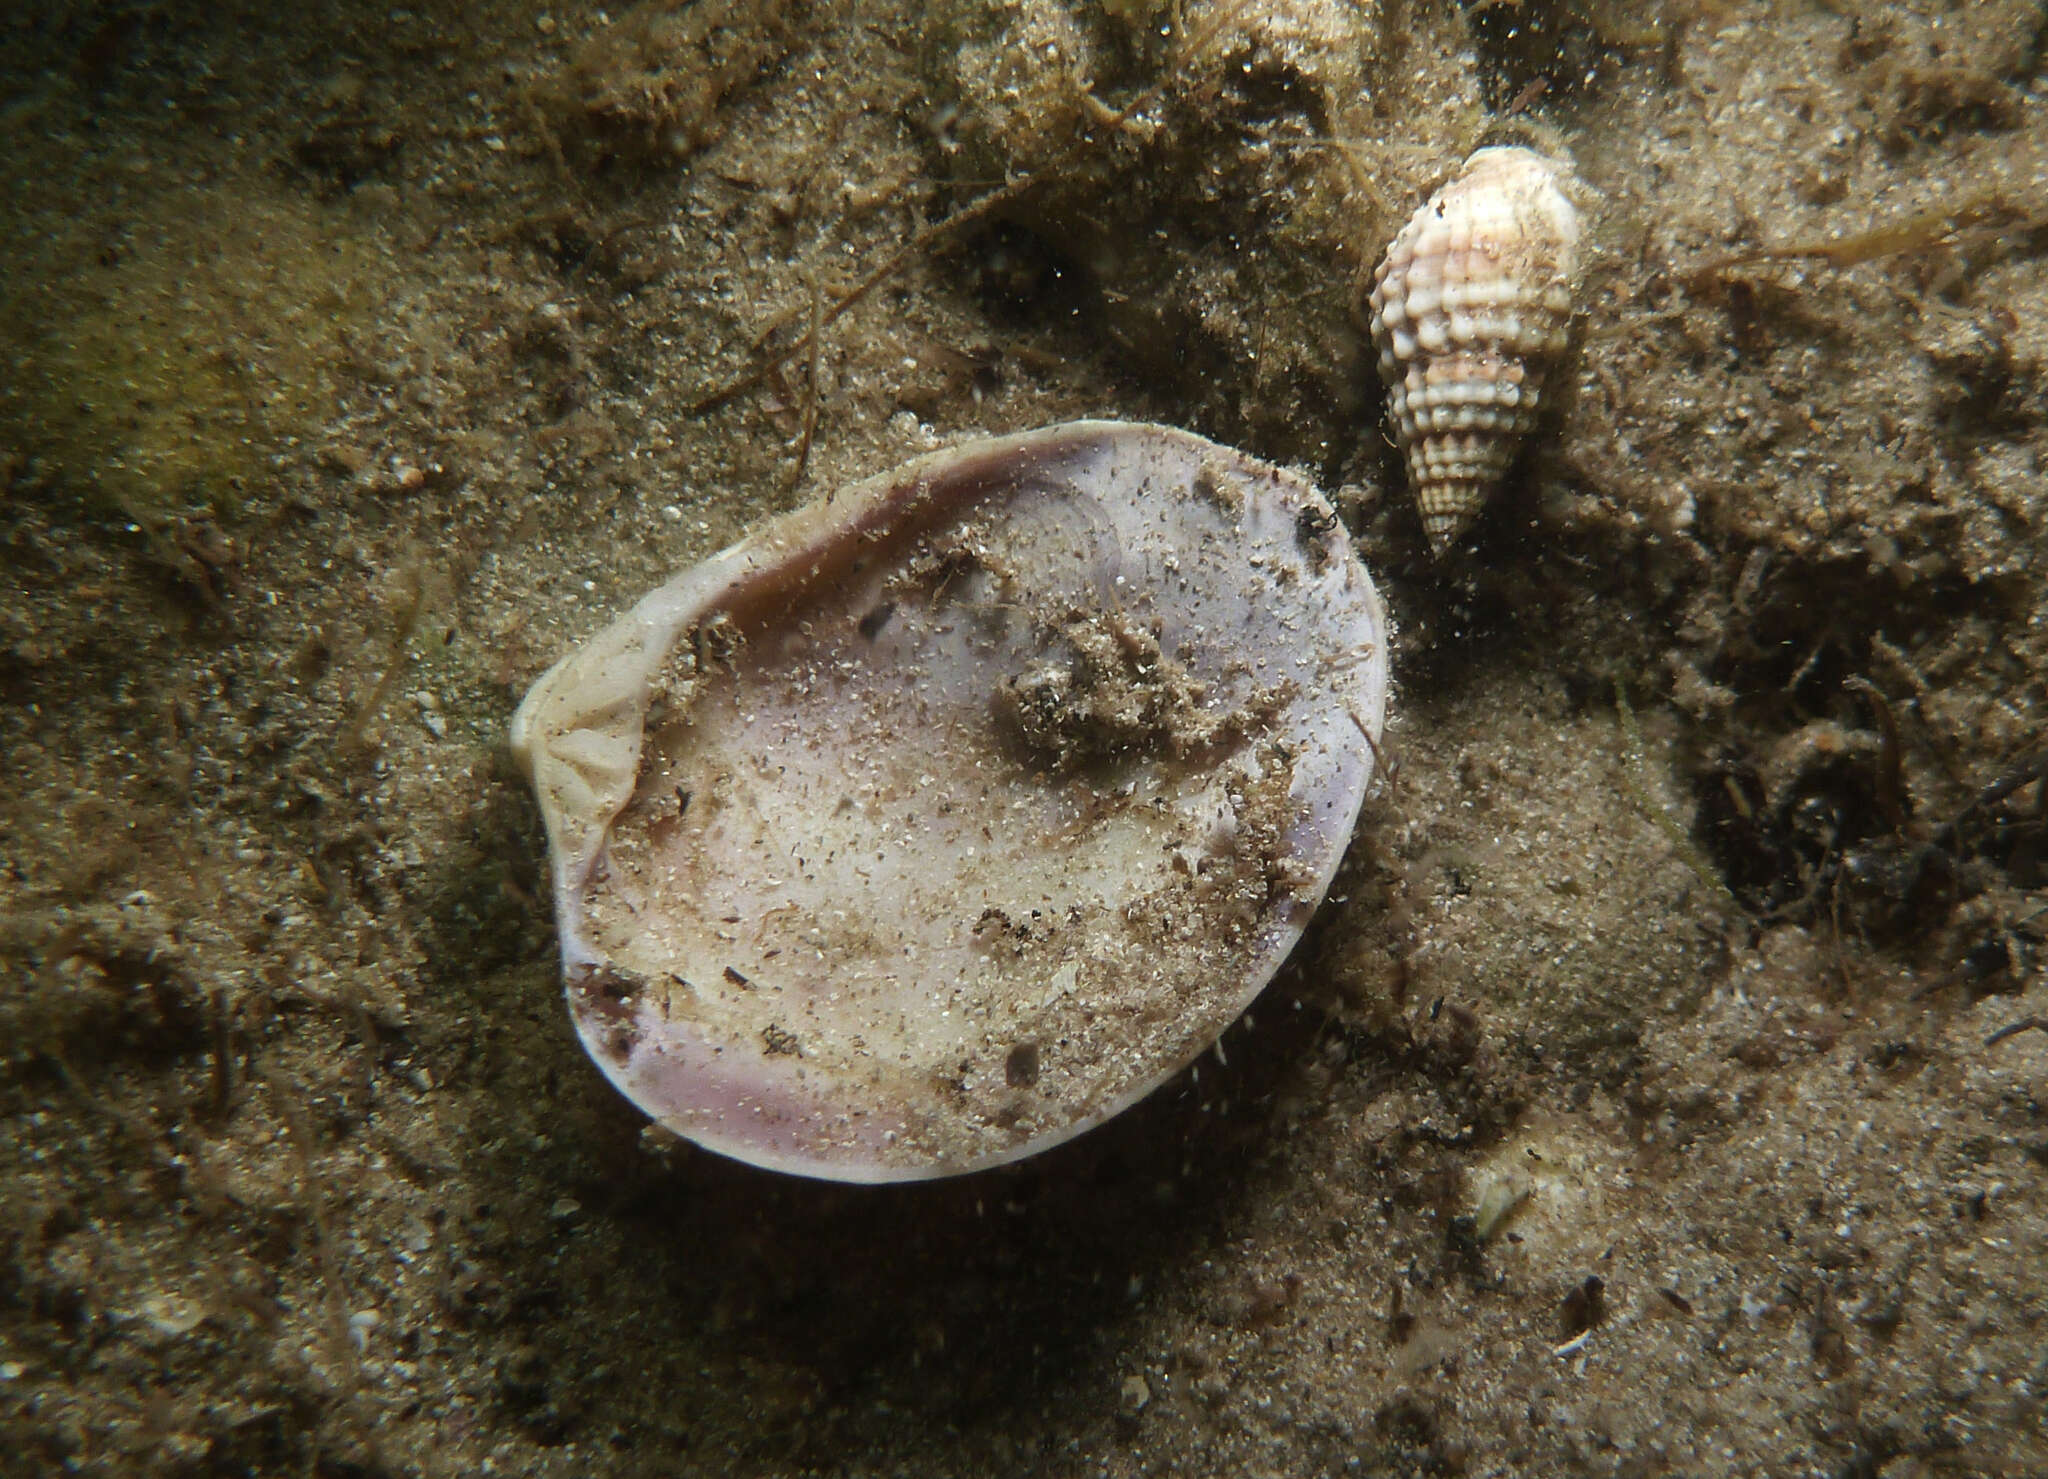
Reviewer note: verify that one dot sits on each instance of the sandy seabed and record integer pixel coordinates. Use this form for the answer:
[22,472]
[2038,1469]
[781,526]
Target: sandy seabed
[1638,1104]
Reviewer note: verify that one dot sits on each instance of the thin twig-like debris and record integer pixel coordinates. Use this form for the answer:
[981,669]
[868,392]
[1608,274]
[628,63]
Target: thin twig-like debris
[803,451]
[1891,786]
[1929,228]
[939,231]
[289,1099]
[2014,1029]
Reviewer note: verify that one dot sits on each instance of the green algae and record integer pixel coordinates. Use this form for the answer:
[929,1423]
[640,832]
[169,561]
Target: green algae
[161,371]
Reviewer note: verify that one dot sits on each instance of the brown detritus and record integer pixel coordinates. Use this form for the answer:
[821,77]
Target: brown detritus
[411,592]
[1570,48]
[1386,767]
[615,250]
[1408,1420]
[1584,1307]
[923,241]
[1784,1040]
[221,1078]
[2035,768]
[102,982]
[1400,1320]
[1830,1336]
[135,1127]
[1821,830]
[810,416]
[289,1101]
[646,89]
[877,617]
[343,150]
[193,553]
[1938,226]
[1531,94]
[1634,768]
[1268,1300]
[1116,695]
[1891,787]
[2014,1029]
[1021,1065]
[1927,100]
[1780,828]
[1115,122]
[717,642]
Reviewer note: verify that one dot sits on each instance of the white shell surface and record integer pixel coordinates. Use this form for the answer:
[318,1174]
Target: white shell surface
[940,820]
[1470,307]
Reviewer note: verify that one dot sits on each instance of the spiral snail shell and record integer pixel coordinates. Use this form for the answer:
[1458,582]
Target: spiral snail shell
[1470,309]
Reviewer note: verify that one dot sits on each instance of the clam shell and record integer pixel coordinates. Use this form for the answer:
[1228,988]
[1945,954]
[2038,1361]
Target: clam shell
[935,822]
[1471,307]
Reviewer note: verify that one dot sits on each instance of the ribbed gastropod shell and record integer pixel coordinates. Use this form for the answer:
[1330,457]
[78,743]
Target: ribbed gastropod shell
[1470,310]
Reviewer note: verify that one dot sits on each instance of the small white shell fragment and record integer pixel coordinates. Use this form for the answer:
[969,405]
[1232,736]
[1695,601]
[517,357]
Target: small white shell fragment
[937,821]
[172,1314]
[1471,307]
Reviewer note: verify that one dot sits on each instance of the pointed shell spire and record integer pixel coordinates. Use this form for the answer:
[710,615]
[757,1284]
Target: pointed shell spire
[1470,309]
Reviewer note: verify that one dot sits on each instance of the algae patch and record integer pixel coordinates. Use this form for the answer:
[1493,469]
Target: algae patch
[171,359]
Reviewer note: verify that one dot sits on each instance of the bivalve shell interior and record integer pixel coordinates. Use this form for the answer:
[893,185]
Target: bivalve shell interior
[939,820]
